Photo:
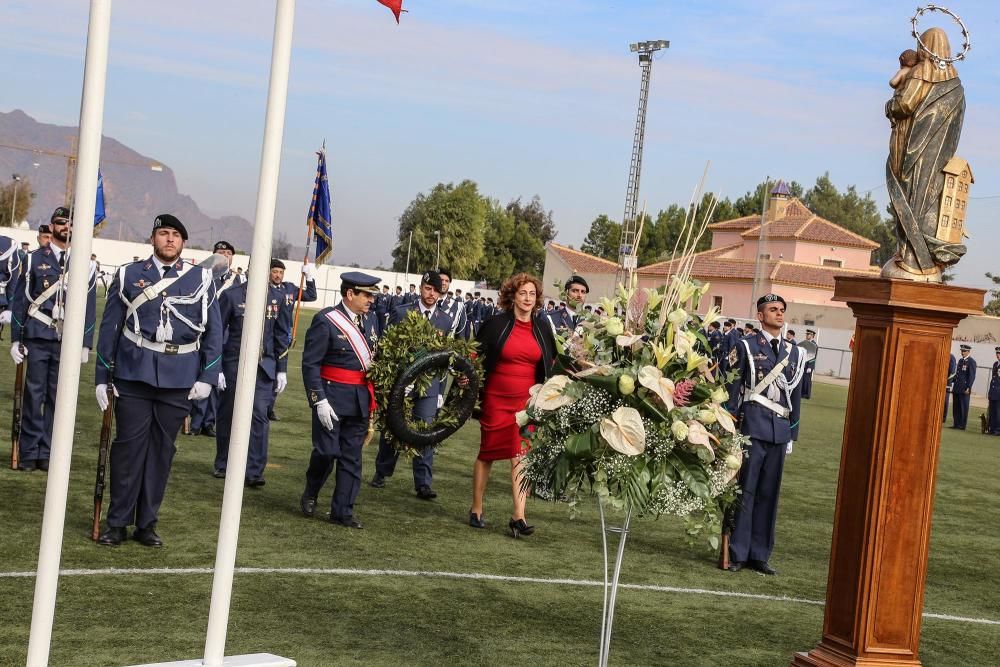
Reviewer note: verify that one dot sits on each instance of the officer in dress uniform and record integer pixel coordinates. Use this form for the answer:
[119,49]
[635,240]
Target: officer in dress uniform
[412,295]
[730,338]
[289,292]
[811,349]
[426,406]
[565,318]
[715,339]
[338,350]
[452,305]
[159,349]
[10,273]
[766,394]
[204,413]
[994,396]
[271,372]
[382,302]
[37,312]
[961,389]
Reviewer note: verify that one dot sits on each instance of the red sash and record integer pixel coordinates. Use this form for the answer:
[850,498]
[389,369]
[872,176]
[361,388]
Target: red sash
[344,376]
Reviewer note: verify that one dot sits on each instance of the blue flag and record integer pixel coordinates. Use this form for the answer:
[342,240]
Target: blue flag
[319,212]
[99,212]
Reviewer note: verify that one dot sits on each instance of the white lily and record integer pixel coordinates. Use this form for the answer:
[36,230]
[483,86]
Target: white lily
[624,431]
[652,379]
[683,342]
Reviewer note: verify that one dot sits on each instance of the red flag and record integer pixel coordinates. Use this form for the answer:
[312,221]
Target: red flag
[395,5]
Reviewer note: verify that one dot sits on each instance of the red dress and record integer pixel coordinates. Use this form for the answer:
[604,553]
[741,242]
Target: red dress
[507,393]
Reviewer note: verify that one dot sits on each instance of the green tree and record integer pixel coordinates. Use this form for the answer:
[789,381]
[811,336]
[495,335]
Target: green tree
[458,212]
[510,247]
[23,203]
[538,221]
[603,238]
[752,202]
[852,212]
[992,306]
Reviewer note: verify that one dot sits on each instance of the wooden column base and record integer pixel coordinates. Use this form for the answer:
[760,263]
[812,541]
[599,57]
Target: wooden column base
[885,495]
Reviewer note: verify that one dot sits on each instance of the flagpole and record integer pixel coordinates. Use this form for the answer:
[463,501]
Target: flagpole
[310,230]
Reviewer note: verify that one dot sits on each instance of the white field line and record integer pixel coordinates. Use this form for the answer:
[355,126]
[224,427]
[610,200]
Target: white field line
[456,575]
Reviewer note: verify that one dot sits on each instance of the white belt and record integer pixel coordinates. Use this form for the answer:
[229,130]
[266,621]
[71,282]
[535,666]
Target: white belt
[771,405]
[162,348]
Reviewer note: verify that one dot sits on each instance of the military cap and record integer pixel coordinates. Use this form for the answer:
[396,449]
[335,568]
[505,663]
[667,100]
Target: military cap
[997,349]
[964,347]
[170,222]
[361,282]
[577,280]
[224,245]
[749,326]
[432,278]
[810,331]
[731,322]
[770,298]
[61,213]
[277,264]
[44,228]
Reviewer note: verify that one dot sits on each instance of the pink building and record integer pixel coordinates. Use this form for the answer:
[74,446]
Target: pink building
[799,256]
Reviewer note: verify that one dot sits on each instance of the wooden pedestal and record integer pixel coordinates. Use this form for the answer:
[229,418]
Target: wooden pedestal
[885,496]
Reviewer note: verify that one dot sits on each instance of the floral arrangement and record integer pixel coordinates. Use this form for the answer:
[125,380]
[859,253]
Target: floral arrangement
[636,412]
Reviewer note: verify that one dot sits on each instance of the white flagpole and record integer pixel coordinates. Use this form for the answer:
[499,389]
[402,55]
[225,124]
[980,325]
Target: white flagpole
[53,521]
[253,327]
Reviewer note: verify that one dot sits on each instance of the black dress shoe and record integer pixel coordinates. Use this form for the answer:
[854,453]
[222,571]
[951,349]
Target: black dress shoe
[26,466]
[147,537]
[347,522]
[762,567]
[111,537]
[425,492]
[476,520]
[42,464]
[208,431]
[378,482]
[273,417]
[308,506]
[219,473]
[255,482]
[735,566]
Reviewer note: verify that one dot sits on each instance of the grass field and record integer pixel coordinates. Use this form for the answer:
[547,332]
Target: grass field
[391,619]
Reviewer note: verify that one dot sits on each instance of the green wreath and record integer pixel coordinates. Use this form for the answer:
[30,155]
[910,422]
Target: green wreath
[399,349]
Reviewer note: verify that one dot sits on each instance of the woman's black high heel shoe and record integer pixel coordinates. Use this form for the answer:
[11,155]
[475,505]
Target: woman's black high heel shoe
[519,527]
[476,520]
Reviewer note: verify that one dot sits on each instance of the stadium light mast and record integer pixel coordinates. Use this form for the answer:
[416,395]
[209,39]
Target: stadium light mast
[626,260]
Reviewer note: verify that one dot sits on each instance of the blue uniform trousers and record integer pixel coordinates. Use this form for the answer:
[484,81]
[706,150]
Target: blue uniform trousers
[994,417]
[807,383]
[148,420]
[757,514]
[960,410]
[385,462]
[204,412]
[340,449]
[260,425]
[39,400]
[945,417]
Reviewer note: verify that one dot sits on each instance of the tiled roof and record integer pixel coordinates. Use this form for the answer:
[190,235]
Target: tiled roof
[799,223]
[711,264]
[810,275]
[581,262]
[736,224]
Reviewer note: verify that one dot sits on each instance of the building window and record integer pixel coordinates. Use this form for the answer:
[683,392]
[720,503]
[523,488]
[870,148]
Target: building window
[765,255]
[717,302]
[838,263]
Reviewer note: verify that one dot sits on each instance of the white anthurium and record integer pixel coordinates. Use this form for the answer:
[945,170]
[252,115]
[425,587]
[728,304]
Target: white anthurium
[550,396]
[628,340]
[521,417]
[699,436]
[624,431]
[652,379]
[724,418]
[594,370]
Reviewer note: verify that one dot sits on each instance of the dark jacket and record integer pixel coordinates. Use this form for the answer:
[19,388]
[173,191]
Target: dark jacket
[495,331]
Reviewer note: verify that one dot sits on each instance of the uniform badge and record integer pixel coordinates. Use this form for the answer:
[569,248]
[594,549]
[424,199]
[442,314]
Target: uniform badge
[242,305]
[313,397]
[44,267]
[733,357]
[45,284]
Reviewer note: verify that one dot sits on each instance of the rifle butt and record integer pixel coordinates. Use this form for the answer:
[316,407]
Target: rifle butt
[15,426]
[102,463]
[724,552]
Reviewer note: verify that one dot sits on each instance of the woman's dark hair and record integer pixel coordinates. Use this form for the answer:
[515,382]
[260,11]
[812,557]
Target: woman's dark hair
[513,284]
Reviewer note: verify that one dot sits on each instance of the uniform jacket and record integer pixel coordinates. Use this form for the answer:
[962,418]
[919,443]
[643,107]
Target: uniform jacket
[715,342]
[10,270]
[327,346]
[562,320]
[410,297]
[291,292]
[994,393]
[41,270]
[965,375]
[440,319]
[758,421]
[275,339]
[496,330]
[160,369]
[455,310]
[952,366]
[227,280]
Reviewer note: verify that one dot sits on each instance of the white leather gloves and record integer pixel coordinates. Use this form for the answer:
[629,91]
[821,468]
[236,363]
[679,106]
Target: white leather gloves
[440,401]
[200,391]
[788,448]
[85,355]
[18,353]
[222,382]
[309,271]
[326,415]
[102,396]
[282,382]
[5,317]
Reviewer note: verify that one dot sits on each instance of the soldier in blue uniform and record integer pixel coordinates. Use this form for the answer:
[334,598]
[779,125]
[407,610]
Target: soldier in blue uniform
[337,352]
[811,349]
[565,318]
[949,383]
[426,406]
[452,305]
[289,292]
[412,295]
[993,410]
[10,273]
[715,339]
[160,348]
[36,333]
[766,395]
[731,335]
[271,372]
[961,388]
[382,303]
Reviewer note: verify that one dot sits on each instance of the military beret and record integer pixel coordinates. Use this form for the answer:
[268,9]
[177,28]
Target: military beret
[224,245]
[770,298]
[360,282]
[44,229]
[997,349]
[170,222]
[61,213]
[444,272]
[749,326]
[432,278]
[965,347]
[277,264]
[731,322]
[577,280]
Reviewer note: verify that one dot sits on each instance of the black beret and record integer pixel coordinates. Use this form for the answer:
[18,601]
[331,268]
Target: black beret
[432,278]
[577,280]
[169,221]
[770,298]
[61,213]
[44,229]
[445,272]
[997,349]
[277,264]
[731,322]
[224,245]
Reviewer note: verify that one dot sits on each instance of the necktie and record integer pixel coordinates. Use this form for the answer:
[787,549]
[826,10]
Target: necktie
[427,315]
[62,261]
[774,346]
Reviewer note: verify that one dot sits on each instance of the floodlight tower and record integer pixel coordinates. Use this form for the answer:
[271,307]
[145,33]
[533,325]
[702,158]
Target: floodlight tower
[626,260]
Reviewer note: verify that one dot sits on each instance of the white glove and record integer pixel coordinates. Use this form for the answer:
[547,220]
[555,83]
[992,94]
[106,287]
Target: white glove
[17,353]
[85,355]
[222,382]
[309,271]
[102,396]
[199,391]
[408,390]
[788,448]
[440,401]
[282,382]
[5,317]
[326,415]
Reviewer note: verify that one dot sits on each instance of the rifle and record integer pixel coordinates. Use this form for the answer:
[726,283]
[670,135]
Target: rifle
[729,519]
[102,455]
[15,427]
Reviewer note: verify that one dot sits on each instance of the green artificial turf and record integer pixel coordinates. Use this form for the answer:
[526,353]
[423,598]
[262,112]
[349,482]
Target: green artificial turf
[391,619]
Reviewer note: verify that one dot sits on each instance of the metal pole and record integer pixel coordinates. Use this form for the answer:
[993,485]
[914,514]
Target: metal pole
[437,260]
[409,245]
[13,205]
[91,122]
[267,190]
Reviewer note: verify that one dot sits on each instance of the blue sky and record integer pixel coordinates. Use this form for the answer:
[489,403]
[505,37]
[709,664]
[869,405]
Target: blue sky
[524,97]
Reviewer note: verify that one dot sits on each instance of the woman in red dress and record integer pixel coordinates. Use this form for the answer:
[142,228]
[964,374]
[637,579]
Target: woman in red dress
[518,349]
